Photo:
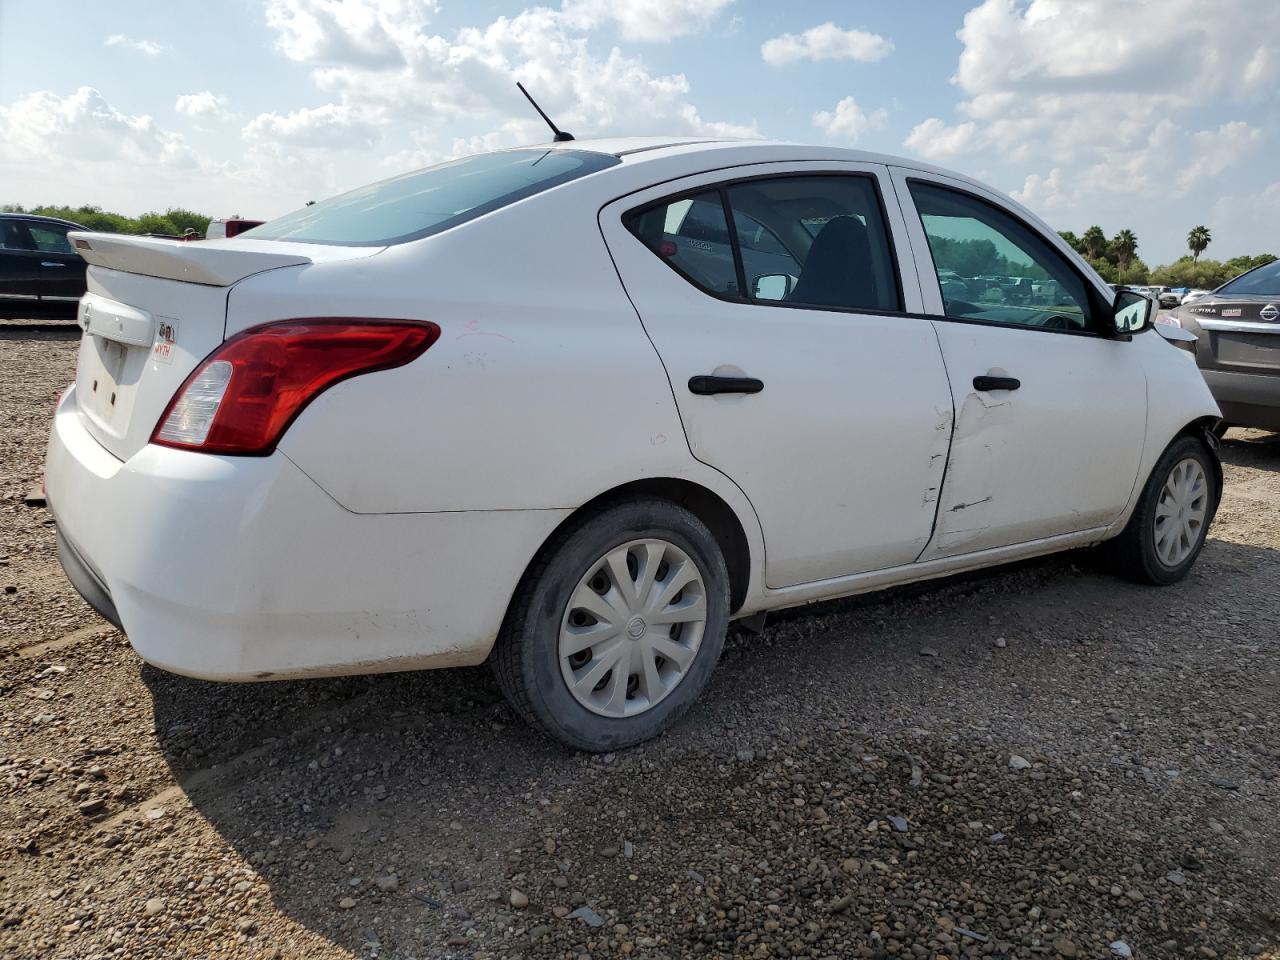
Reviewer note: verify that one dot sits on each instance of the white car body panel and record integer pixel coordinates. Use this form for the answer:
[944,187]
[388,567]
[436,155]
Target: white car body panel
[241,568]
[842,453]
[354,547]
[1059,454]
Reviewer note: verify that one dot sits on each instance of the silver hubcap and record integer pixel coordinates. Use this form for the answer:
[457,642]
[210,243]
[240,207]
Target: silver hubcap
[632,628]
[1180,512]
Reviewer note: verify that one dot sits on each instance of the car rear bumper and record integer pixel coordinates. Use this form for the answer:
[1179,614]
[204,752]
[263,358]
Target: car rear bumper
[1246,399]
[241,568]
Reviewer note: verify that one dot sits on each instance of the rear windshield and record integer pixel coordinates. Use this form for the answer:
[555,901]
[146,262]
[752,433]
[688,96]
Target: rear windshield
[419,204]
[1261,282]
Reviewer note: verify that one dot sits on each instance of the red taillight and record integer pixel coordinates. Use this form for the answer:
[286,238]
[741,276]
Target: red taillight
[245,394]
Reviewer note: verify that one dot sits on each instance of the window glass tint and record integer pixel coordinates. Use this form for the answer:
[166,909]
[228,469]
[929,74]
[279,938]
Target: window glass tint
[991,267]
[13,236]
[1261,282]
[692,235]
[50,238]
[419,204]
[815,241]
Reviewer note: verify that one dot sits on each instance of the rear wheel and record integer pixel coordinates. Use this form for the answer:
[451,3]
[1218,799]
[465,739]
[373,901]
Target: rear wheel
[1168,527]
[617,626]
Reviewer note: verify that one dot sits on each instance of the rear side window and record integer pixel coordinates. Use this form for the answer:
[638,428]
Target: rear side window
[429,201]
[803,241]
[13,236]
[692,235]
[1263,281]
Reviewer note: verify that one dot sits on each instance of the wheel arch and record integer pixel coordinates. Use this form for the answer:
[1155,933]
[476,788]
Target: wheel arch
[707,505]
[1201,429]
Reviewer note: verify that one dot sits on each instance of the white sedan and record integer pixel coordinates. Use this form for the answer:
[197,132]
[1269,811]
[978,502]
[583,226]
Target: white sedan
[574,408]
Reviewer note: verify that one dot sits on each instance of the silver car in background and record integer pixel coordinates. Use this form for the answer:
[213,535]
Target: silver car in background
[1237,348]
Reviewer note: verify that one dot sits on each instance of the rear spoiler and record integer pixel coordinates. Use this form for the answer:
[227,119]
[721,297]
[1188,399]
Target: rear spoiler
[208,263]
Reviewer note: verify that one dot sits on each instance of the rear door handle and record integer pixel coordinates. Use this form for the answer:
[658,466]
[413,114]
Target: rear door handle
[996,383]
[50,263]
[705,386]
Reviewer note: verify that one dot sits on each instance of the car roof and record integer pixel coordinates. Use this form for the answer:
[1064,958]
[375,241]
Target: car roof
[643,149]
[36,216]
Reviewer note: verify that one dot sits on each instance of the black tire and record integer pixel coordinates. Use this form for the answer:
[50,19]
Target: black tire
[1132,554]
[526,657]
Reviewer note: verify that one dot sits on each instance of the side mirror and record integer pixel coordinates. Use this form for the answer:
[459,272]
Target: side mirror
[1132,313]
[772,286]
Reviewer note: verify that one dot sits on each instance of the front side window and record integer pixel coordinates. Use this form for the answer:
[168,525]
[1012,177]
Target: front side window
[429,201]
[993,268]
[49,238]
[804,241]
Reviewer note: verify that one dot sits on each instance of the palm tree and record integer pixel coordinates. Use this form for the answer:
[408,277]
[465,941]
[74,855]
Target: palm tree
[1094,241]
[1197,240]
[1125,246]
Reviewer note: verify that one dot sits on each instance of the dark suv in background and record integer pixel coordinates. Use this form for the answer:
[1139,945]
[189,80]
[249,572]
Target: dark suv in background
[40,274]
[1238,345]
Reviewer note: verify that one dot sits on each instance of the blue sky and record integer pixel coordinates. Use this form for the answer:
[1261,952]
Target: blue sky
[1155,116]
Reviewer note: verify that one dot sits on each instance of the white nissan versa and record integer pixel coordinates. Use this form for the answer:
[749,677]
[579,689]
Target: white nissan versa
[573,408]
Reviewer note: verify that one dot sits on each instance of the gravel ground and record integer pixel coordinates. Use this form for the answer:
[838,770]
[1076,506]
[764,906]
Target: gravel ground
[1036,761]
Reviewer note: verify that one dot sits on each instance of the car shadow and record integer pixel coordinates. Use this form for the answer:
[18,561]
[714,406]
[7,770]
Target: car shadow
[328,788]
[1258,449]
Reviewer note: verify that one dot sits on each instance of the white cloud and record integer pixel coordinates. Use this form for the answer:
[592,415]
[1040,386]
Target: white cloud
[1044,193]
[148,47]
[333,126]
[848,120]
[826,42]
[933,138]
[1099,92]
[205,104]
[1244,223]
[645,20]
[83,127]
[385,66]
[366,32]
[1216,150]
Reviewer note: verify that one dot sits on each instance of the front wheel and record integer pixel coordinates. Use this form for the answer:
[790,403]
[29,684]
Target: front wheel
[1168,527]
[617,626]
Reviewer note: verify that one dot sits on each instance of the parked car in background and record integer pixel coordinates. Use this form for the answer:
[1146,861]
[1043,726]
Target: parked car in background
[1238,345]
[40,274]
[223,227]
[1167,298]
[292,454]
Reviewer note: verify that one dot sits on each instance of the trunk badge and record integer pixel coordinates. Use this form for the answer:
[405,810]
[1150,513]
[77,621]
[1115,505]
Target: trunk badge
[1269,312]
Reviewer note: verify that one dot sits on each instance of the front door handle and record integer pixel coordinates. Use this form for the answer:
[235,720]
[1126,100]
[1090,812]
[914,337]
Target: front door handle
[996,383]
[50,263]
[705,386]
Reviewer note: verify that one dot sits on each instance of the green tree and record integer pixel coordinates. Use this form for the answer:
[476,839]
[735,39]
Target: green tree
[187,219]
[1094,242]
[1197,240]
[1072,241]
[1205,274]
[1124,246]
[1238,265]
[172,222]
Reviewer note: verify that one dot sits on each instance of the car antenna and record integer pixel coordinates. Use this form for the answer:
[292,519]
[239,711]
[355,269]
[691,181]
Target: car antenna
[560,135]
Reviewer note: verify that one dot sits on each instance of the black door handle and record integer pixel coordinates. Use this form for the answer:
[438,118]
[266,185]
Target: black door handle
[996,383]
[705,386]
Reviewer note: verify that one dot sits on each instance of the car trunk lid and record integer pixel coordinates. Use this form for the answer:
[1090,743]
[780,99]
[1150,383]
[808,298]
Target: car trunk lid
[1241,334]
